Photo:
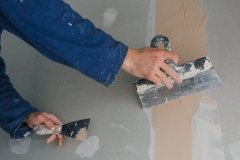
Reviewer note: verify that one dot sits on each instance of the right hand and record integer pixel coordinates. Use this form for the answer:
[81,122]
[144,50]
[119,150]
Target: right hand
[149,63]
[49,120]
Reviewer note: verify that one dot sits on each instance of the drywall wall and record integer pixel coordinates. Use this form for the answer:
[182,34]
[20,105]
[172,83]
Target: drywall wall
[208,139]
[118,122]
[223,45]
[119,127]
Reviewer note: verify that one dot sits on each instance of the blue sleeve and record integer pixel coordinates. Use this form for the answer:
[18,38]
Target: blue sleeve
[13,108]
[62,35]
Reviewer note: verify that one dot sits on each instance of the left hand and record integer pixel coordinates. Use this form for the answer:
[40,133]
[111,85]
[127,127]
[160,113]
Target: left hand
[48,120]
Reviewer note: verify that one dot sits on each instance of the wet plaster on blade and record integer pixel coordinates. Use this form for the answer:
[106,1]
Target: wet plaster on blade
[20,146]
[182,22]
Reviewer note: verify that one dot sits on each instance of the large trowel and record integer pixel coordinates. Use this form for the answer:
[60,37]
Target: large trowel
[76,130]
[196,76]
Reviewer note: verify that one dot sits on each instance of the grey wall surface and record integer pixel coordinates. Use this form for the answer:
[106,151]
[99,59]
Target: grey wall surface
[223,39]
[69,95]
[115,112]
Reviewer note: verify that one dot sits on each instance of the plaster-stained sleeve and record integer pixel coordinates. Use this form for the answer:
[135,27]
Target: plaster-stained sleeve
[62,35]
[13,108]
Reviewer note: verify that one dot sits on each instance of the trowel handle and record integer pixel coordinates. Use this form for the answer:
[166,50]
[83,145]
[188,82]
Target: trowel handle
[163,39]
[167,47]
[43,130]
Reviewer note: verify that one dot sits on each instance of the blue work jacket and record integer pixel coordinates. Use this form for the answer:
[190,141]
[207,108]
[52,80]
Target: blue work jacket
[62,35]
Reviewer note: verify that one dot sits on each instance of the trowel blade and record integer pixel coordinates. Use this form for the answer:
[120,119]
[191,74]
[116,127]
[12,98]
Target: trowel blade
[196,76]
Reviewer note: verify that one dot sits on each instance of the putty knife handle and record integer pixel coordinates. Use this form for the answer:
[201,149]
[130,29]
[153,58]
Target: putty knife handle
[43,130]
[167,46]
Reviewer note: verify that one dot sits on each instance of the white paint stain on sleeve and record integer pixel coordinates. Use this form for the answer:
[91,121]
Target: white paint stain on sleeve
[88,147]
[20,146]
[109,17]
[206,134]
[235,150]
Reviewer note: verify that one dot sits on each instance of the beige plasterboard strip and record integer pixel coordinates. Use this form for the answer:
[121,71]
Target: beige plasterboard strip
[181,21]
[172,123]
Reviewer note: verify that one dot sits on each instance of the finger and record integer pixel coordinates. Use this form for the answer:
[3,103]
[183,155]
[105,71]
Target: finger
[53,118]
[154,79]
[170,56]
[162,76]
[51,138]
[60,140]
[171,72]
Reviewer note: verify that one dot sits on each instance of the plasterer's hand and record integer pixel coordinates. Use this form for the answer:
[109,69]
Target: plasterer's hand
[149,63]
[48,120]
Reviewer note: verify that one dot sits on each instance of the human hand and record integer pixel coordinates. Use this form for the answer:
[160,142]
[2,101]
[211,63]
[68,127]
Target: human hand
[149,63]
[48,120]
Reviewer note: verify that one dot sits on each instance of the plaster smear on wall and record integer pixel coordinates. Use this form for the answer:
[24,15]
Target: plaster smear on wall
[109,17]
[152,135]
[172,133]
[121,127]
[150,23]
[20,146]
[88,147]
[235,150]
[206,134]
[182,22]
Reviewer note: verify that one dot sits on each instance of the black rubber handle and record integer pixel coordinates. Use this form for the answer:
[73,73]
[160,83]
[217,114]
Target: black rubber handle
[163,39]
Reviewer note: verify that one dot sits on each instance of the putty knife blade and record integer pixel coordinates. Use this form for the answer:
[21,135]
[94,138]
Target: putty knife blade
[196,76]
[77,129]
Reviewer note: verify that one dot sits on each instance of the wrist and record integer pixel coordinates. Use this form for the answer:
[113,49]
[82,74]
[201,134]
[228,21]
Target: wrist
[28,119]
[127,61]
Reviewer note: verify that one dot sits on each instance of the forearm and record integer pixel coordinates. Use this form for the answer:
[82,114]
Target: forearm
[62,35]
[13,108]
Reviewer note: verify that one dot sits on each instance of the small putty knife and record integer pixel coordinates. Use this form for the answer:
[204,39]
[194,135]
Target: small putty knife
[76,130]
[196,76]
